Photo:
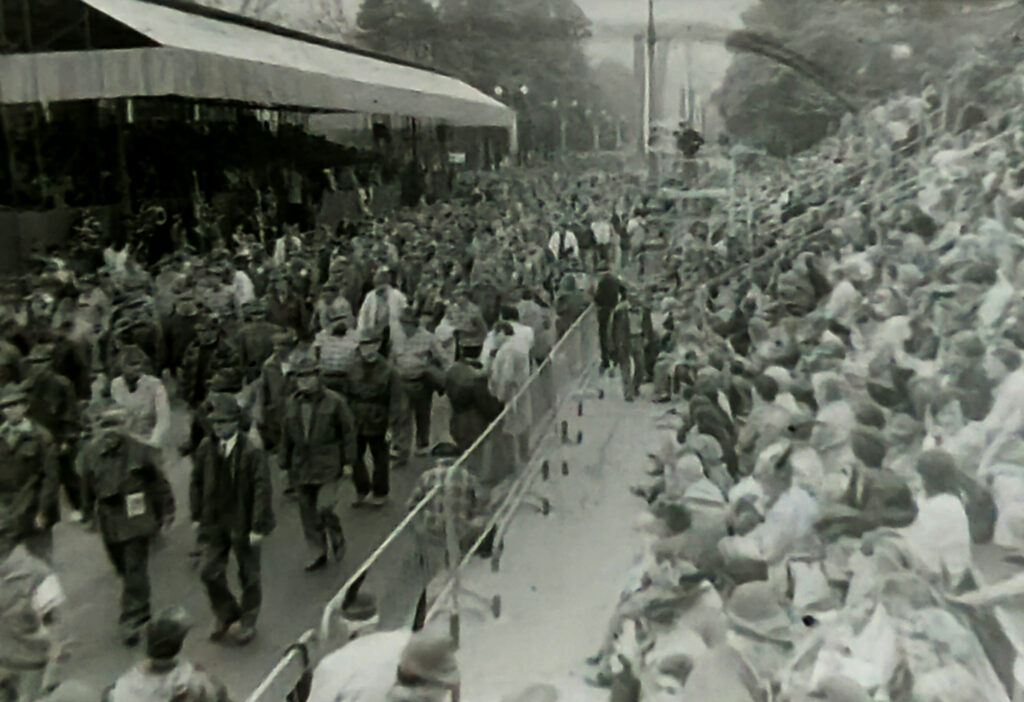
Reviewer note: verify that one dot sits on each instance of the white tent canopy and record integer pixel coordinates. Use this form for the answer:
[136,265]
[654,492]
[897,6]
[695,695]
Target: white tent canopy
[206,58]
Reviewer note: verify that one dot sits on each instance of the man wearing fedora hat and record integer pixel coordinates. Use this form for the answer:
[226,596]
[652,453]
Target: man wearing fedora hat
[29,482]
[427,670]
[133,501]
[232,512]
[318,439]
[163,675]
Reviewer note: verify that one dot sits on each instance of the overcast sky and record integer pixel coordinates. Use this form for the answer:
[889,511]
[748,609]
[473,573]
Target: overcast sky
[617,20]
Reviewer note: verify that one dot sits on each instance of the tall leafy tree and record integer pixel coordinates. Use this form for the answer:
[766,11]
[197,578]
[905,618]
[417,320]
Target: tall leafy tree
[400,27]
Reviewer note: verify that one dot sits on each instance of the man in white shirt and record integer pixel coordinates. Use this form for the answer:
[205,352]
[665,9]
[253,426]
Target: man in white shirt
[509,373]
[635,234]
[602,229]
[563,244]
[382,309]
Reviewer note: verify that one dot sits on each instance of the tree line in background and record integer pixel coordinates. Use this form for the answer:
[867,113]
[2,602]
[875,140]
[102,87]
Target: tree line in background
[871,51]
[526,53]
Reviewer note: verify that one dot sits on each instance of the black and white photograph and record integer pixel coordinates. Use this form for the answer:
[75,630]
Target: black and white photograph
[511,350]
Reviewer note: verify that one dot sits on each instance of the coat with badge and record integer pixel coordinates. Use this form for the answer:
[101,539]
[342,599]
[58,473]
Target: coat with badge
[133,497]
[315,454]
[28,480]
[231,494]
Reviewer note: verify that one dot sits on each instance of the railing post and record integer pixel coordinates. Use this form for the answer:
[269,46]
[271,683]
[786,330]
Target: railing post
[452,549]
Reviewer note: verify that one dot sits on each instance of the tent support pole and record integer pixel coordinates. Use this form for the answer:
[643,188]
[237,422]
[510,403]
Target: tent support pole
[86,27]
[26,18]
[122,160]
[37,150]
[12,164]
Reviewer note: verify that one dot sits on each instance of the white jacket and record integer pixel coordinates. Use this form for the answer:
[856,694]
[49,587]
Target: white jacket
[148,409]
[395,301]
[555,244]
[361,671]
[509,373]
[521,334]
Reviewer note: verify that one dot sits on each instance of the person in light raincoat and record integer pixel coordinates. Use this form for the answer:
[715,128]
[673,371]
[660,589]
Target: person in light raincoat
[30,598]
[389,666]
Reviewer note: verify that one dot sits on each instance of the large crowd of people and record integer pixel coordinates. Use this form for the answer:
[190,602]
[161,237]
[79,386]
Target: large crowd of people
[842,432]
[840,377]
[324,355]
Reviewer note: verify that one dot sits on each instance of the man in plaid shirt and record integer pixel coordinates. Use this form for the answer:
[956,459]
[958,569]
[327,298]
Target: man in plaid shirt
[337,347]
[468,499]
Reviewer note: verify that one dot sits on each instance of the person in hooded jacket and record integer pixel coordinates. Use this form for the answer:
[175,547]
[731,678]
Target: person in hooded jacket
[163,675]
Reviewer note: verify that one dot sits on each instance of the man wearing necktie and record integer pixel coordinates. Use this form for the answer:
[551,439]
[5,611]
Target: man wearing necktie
[318,439]
[232,512]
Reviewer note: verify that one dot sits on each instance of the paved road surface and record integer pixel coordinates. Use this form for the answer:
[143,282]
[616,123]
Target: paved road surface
[562,575]
[293,599]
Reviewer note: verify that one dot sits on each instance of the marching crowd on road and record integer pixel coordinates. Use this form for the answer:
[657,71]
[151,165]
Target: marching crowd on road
[322,357]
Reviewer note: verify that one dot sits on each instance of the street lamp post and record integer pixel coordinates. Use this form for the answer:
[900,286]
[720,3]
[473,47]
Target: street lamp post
[649,87]
[595,125]
[516,97]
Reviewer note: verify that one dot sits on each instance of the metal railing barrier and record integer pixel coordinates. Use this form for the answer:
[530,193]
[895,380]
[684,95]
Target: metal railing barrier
[501,462]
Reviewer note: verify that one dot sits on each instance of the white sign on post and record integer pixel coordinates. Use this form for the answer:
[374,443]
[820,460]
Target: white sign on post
[456,157]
